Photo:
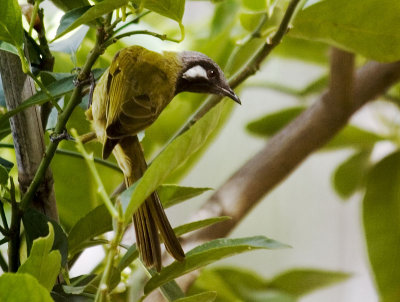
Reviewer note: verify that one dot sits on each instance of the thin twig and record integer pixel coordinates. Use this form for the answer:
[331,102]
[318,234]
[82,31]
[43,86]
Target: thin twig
[3,231]
[105,283]
[46,63]
[100,187]
[162,37]
[251,68]
[3,263]
[134,21]
[14,243]
[33,16]
[3,216]
[46,91]
[75,99]
[97,160]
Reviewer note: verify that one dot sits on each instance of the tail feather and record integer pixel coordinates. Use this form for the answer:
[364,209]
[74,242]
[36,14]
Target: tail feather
[147,238]
[150,219]
[167,233]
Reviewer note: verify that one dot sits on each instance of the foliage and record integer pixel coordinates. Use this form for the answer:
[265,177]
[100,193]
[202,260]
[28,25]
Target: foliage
[241,29]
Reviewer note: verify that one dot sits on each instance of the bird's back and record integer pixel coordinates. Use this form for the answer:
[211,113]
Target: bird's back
[133,91]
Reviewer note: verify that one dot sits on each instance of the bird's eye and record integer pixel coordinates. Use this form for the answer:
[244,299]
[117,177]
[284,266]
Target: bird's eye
[211,73]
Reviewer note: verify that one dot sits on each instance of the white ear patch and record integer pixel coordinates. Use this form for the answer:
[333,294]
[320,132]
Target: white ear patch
[195,72]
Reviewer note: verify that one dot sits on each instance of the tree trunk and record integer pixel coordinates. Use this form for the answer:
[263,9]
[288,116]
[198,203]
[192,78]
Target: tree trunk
[27,132]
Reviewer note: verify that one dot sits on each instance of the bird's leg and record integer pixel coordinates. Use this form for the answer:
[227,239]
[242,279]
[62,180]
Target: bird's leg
[91,80]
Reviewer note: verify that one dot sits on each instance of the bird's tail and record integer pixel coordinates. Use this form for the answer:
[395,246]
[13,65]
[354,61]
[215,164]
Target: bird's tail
[149,220]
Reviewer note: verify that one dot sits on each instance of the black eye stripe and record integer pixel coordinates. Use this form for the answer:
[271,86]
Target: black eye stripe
[205,64]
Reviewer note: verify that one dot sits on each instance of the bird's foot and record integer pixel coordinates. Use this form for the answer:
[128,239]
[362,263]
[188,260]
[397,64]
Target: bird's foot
[58,137]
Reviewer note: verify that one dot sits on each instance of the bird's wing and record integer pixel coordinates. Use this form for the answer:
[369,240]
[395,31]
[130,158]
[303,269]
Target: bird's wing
[133,103]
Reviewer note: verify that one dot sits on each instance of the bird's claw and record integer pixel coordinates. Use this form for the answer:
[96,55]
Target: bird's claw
[58,137]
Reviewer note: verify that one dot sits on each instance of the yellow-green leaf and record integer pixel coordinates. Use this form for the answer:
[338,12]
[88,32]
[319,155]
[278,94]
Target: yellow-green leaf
[174,155]
[11,29]
[42,263]
[208,253]
[22,288]
[366,27]
[381,213]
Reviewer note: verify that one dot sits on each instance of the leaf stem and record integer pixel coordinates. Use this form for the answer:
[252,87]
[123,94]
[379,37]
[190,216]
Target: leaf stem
[162,37]
[46,91]
[97,160]
[134,21]
[89,161]
[33,16]
[105,282]
[75,99]
[14,243]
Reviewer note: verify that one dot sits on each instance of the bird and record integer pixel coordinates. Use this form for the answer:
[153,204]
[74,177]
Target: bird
[128,98]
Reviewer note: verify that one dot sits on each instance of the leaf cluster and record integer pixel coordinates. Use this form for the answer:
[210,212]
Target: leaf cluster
[240,28]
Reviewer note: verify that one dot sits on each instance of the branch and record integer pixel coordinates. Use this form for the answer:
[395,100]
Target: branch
[75,154]
[248,70]
[75,99]
[162,37]
[27,133]
[288,148]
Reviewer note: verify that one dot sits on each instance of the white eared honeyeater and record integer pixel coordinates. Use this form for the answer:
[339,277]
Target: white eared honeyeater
[129,97]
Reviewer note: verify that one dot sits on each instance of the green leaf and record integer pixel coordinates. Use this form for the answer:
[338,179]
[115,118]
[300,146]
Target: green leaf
[202,297]
[174,155]
[348,24]
[36,225]
[173,194]
[352,136]
[381,214]
[255,5]
[250,21]
[42,263]
[192,226]
[301,282]
[98,221]
[56,89]
[208,253]
[172,9]
[272,123]
[232,283]
[349,136]
[132,253]
[224,17]
[303,50]
[8,47]
[3,175]
[11,30]
[72,19]
[67,5]
[22,288]
[6,164]
[350,175]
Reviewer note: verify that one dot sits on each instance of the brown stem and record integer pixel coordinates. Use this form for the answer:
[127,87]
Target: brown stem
[27,133]
[293,144]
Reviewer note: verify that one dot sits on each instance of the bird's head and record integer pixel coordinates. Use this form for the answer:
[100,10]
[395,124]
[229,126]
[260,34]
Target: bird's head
[201,74]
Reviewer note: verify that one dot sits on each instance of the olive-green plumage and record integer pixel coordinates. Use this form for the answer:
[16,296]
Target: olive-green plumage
[129,97]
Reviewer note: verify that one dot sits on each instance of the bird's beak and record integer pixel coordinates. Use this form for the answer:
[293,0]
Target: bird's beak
[230,94]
